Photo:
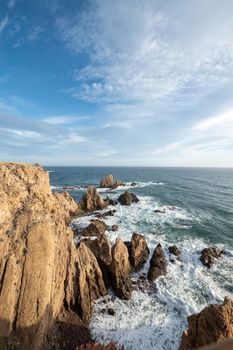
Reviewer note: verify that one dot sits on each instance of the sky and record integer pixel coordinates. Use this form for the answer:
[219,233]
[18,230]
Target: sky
[117,82]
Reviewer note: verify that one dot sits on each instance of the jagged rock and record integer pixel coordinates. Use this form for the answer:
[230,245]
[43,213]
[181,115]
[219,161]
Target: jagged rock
[112,201]
[212,325]
[109,182]
[127,198]
[114,228]
[120,270]
[86,280]
[158,211]
[208,255]
[110,212]
[92,201]
[158,264]
[35,252]
[101,248]
[138,251]
[174,250]
[96,346]
[133,184]
[95,228]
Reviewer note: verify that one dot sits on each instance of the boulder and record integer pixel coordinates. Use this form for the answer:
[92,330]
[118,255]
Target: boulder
[120,270]
[35,250]
[212,325]
[109,182]
[92,201]
[110,212]
[114,228]
[158,264]
[174,250]
[95,228]
[209,255]
[138,251]
[127,198]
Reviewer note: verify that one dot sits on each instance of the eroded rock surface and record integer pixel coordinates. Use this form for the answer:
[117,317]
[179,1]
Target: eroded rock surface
[158,264]
[212,325]
[209,255]
[92,201]
[128,198]
[138,251]
[174,250]
[120,270]
[109,182]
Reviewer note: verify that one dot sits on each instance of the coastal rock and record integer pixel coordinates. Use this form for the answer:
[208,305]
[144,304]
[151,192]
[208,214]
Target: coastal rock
[110,212]
[114,228]
[208,255]
[95,228]
[158,264]
[92,201]
[109,182]
[85,282]
[101,248]
[127,198]
[35,250]
[138,251]
[96,346]
[212,325]
[120,270]
[174,250]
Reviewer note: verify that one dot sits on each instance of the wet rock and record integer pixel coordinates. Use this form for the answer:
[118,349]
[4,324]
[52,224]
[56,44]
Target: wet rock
[106,213]
[159,211]
[109,182]
[92,201]
[133,184]
[111,311]
[158,264]
[138,251]
[212,325]
[120,270]
[174,250]
[127,198]
[95,228]
[114,228]
[96,346]
[209,255]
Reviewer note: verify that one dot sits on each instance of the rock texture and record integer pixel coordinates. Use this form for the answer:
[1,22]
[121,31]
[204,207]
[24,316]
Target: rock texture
[96,346]
[120,270]
[92,201]
[212,325]
[95,228]
[109,182]
[209,255]
[174,250]
[35,249]
[158,264]
[127,198]
[138,251]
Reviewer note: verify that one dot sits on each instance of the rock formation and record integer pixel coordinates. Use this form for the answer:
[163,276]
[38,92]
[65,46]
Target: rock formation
[109,182]
[158,264]
[35,250]
[212,325]
[209,255]
[92,201]
[174,250]
[120,270]
[95,228]
[127,198]
[138,251]
[96,346]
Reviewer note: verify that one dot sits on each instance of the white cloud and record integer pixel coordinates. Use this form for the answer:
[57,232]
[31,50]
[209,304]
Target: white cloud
[224,120]
[4,23]
[33,35]
[21,133]
[64,119]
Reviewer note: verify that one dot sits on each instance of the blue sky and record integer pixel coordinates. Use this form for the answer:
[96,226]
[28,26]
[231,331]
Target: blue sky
[124,82]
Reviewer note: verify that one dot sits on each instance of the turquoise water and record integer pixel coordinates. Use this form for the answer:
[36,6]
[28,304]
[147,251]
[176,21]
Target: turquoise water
[198,205]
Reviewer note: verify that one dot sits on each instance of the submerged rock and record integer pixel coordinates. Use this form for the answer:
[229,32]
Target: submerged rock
[110,212]
[212,325]
[138,251]
[174,250]
[92,201]
[120,270]
[158,264]
[128,198]
[209,255]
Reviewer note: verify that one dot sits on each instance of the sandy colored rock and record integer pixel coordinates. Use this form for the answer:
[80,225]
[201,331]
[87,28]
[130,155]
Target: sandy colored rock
[95,228]
[127,198]
[158,264]
[35,248]
[212,325]
[209,255]
[120,270]
[109,182]
[92,201]
[138,251]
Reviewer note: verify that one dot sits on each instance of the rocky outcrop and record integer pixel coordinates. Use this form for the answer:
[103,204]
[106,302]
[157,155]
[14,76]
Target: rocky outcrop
[96,346]
[174,250]
[127,198]
[212,325]
[95,228]
[209,255]
[109,182]
[36,248]
[138,251]
[158,264]
[120,270]
[92,201]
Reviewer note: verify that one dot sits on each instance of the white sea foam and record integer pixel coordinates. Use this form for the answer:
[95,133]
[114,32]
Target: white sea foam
[156,318]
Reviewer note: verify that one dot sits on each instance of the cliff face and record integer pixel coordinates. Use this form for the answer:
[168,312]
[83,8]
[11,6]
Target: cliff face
[36,248]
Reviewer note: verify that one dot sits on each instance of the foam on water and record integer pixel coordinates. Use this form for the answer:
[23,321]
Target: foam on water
[155,317]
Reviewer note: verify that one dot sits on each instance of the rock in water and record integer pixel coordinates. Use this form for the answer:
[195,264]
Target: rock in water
[212,325]
[208,255]
[109,182]
[128,198]
[158,264]
[92,201]
[35,250]
[120,270]
[138,251]
[96,346]
[95,228]
[174,250]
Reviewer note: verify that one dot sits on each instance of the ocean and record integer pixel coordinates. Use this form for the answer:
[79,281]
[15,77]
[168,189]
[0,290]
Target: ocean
[197,206]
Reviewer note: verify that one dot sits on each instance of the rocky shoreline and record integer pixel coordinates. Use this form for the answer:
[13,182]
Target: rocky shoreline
[51,274]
